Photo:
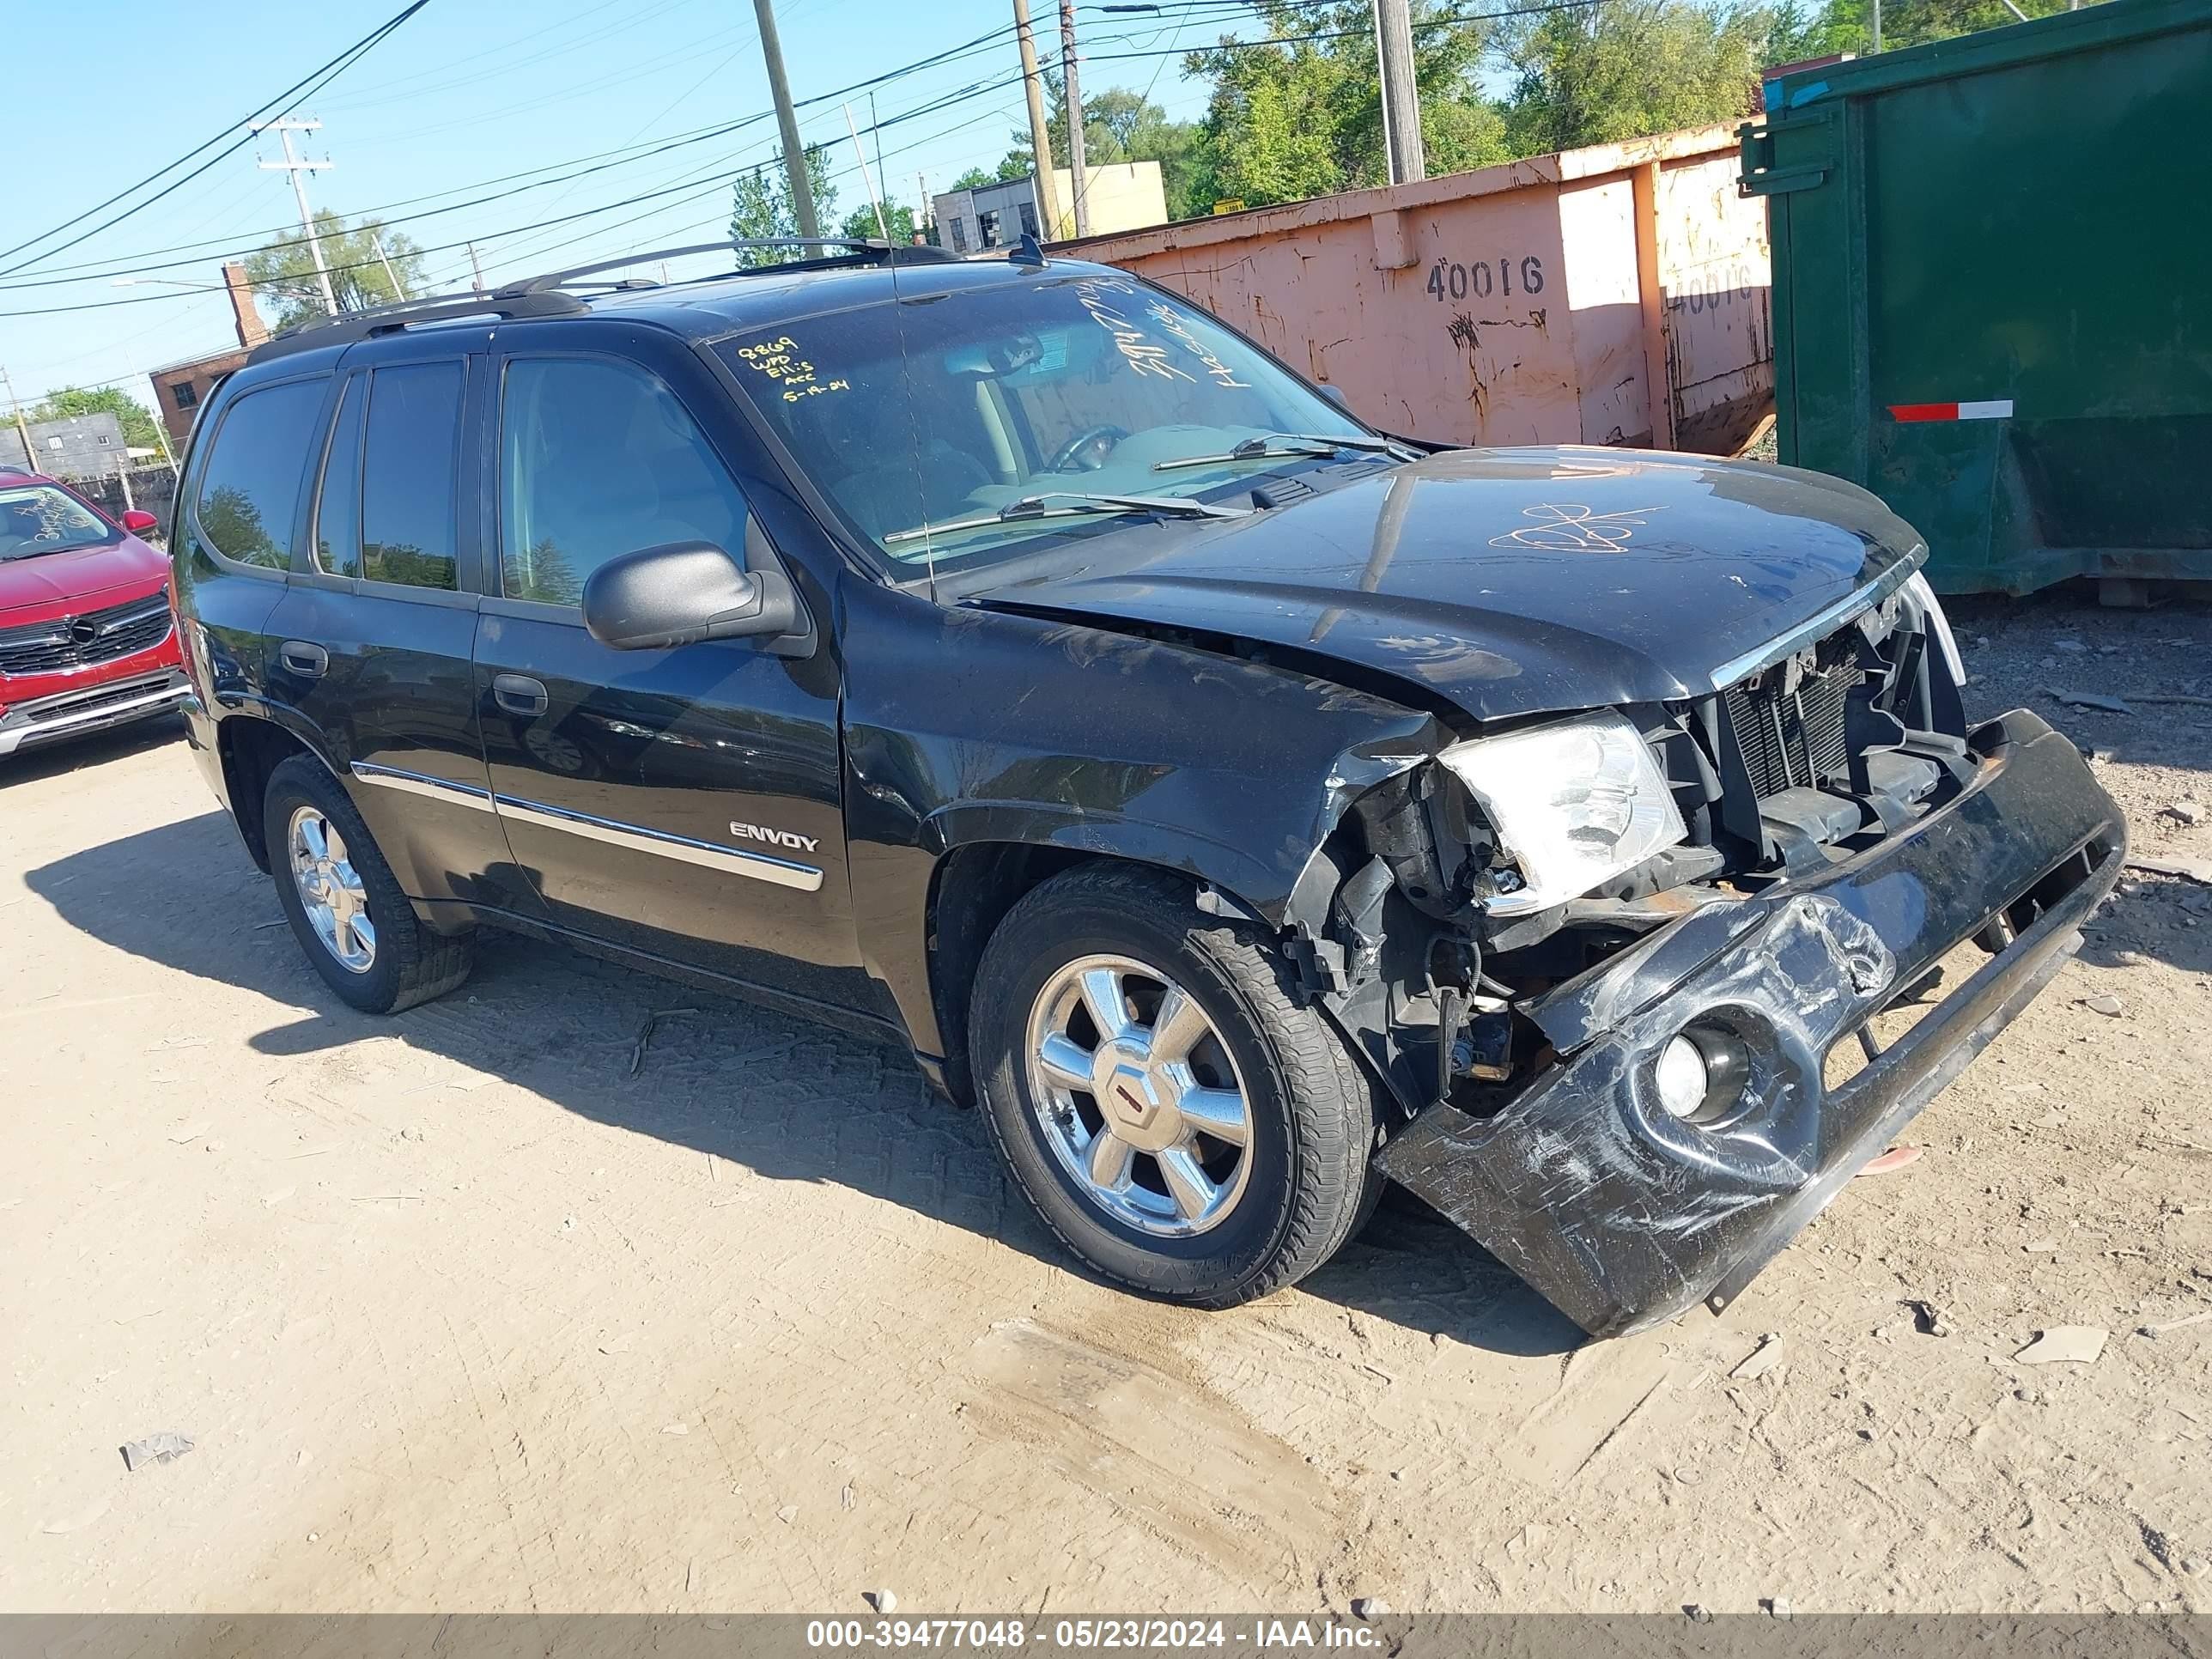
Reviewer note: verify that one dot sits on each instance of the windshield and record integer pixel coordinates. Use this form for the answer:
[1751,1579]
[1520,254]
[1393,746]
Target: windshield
[917,419]
[37,519]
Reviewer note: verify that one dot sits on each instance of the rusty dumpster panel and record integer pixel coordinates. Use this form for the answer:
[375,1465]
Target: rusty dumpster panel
[1539,302]
[1714,278]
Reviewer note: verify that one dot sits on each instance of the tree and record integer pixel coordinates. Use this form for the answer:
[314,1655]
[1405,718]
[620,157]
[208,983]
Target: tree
[139,431]
[1848,24]
[761,207]
[1625,68]
[1304,118]
[861,222]
[1119,125]
[982,179]
[284,272]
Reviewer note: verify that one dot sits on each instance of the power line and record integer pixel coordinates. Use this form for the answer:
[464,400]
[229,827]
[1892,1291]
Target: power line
[328,72]
[975,90]
[389,93]
[949,54]
[1348,34]
[130,264]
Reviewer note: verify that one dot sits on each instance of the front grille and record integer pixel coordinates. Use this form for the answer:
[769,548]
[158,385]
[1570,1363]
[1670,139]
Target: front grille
[97,636]
[1788,738]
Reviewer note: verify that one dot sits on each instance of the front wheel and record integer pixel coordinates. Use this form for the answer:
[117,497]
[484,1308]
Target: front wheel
[1176,1116]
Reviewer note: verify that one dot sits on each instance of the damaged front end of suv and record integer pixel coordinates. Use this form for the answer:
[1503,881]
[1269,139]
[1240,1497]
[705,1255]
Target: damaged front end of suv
[1602,959]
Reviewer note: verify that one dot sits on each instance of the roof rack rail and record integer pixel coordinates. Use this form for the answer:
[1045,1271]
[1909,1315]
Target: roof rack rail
[887,252]
[349,326]
[543,295]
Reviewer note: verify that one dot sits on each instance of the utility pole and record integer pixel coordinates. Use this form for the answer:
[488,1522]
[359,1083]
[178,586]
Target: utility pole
[293,165]
[1078,183]
[786,123]
[376,241]
[1383,104]
[1401,96]
[475,269]
[1877,25]
[1047,187]
[22,431]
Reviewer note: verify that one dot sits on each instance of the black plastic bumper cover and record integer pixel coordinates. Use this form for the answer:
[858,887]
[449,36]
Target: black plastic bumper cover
[1623,1215]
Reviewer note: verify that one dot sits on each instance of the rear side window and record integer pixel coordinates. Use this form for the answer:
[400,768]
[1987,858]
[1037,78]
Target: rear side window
[249,492]
[597,459]
[408,470]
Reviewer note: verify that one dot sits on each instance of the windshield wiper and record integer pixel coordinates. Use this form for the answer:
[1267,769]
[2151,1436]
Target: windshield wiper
[1071,504]
[1283,445]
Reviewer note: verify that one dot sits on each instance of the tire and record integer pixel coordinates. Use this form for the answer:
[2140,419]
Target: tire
[1305,1183]
[407,963]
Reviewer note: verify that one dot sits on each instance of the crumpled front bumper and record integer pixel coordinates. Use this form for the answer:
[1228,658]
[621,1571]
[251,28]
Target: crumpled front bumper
[1624,1216]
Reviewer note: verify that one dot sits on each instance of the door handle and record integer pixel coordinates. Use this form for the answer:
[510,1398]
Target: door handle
[518,694]
[308,661]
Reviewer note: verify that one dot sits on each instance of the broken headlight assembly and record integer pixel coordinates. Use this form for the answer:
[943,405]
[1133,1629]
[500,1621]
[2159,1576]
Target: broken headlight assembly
[1918,590]
[1574,803]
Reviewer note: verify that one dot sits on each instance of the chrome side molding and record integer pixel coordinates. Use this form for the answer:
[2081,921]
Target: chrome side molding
[636,838]
[662,844]
[419,783]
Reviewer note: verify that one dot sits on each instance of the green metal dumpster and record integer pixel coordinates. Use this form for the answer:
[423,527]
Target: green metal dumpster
[1992,290]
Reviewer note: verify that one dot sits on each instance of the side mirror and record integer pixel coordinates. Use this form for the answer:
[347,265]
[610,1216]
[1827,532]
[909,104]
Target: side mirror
[681,592]
[1335,395]
[138,521]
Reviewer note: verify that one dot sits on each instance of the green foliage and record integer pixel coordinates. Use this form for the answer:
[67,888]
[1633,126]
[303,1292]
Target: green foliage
[861,222]
[1625,68]
[1306,118]
[139,431]
[761,207]
[284,272]
[1295,117]
[1848,24]
[1118,125]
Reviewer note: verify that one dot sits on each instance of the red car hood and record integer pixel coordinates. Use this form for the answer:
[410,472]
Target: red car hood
[48,584]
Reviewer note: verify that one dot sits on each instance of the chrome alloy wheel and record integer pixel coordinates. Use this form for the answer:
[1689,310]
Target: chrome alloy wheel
[1138,1097]
[331,891]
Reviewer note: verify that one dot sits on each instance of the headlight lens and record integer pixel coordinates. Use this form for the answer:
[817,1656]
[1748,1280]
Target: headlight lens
[1573,803]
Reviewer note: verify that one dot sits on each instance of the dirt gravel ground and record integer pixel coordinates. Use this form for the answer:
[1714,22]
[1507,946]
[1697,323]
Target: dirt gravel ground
[462,1315]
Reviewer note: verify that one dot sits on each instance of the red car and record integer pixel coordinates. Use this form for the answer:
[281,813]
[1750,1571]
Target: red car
[87,638]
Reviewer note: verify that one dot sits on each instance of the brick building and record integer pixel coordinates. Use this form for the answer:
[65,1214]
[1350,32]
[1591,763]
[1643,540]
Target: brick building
[179,388]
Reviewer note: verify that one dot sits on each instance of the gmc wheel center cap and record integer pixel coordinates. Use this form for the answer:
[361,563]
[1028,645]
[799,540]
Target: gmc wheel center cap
[1136,1103]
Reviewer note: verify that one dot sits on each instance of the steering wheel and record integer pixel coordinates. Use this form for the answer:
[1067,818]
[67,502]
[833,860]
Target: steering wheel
[1066,458]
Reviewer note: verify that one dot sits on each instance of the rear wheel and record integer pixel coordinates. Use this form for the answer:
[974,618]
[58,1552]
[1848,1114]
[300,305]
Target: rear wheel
[1177,1117]
[344,904]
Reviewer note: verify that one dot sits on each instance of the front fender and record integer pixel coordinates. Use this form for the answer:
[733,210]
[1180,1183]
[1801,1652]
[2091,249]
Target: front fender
[965,727]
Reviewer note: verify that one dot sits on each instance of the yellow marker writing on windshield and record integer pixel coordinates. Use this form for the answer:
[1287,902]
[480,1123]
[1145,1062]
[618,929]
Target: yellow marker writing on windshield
[778,360]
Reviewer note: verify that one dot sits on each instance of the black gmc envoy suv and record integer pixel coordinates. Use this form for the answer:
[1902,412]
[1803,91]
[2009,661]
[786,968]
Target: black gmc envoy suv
[1240,806]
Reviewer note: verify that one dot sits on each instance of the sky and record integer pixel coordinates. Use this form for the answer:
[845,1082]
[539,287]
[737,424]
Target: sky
[467,92]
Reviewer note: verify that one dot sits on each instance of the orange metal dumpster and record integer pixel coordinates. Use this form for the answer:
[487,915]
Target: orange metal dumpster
[1540,301]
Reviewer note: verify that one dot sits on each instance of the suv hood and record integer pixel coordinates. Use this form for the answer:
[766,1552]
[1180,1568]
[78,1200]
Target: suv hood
[1512,581]
[47,582]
